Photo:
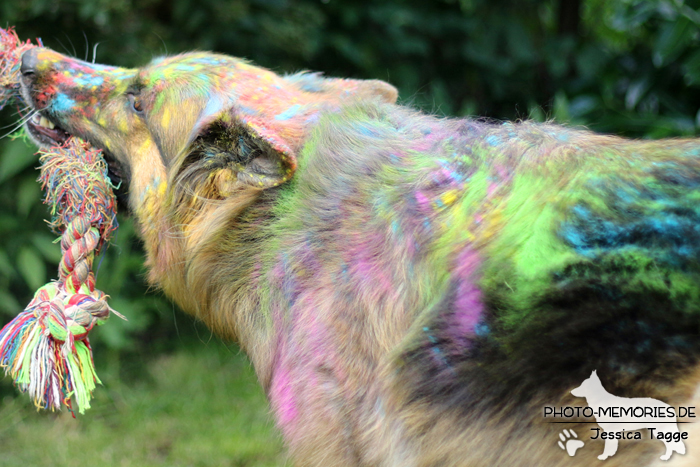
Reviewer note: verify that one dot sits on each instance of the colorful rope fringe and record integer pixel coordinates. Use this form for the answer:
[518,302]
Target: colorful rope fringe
[11,50]
[45,349]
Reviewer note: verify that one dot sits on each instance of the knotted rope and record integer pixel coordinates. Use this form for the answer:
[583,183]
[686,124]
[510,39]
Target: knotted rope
[45,349]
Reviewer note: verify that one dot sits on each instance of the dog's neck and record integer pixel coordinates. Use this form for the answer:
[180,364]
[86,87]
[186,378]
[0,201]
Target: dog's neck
[205,256]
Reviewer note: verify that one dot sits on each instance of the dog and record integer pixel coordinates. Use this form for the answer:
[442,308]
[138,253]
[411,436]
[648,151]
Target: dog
[597,397]
[411,290]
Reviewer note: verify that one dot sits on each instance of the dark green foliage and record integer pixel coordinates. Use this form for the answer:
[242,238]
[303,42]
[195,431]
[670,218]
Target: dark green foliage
[629,67]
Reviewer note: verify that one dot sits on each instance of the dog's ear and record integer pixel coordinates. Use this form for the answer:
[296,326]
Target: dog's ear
[230,152]
[265,129]
[247,148]
[262,119]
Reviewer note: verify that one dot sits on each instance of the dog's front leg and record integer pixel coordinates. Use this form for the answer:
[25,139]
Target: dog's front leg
[610,449]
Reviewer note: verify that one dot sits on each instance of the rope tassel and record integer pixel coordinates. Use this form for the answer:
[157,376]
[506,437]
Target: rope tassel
[45,349]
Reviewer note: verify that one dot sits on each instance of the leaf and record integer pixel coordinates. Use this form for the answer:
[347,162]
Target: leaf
[582,105]
[9,304]
[691,69]
[28,195]
[16,157]
[535,113]
[45,244]
[5,264]
[31,267]
[673,39]
[635,91]
[561,108]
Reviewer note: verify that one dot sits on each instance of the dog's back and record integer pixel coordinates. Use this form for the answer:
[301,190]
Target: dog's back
[493,266]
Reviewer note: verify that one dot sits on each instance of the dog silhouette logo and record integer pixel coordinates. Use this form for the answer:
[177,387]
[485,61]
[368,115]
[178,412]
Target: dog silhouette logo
[616,415]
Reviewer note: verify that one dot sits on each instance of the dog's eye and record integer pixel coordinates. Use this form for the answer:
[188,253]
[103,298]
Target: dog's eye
[135,102]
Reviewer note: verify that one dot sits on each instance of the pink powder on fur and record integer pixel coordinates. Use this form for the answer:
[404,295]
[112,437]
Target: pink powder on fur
[468,304]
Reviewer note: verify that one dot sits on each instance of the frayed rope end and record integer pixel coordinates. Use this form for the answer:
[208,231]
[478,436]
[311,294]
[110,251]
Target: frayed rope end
[45,349]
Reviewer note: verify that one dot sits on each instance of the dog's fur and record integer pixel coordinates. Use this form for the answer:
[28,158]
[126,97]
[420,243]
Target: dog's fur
[412,291]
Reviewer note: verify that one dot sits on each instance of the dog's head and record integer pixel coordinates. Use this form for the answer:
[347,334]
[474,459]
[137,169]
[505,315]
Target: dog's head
[241,124]
[194,138]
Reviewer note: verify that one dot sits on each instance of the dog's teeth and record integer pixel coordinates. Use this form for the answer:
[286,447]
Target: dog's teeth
[45,122]
[36,119]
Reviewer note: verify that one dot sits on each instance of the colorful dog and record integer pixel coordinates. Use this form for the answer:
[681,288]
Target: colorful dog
[412,291]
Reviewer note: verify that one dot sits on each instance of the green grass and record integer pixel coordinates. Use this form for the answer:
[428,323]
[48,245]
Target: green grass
[200,406]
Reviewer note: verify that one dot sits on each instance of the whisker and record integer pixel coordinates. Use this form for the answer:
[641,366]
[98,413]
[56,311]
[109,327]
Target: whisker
[22,119]
[64,47]
[20,113]
[164,45]
[94,52]
[75,53]
[22,122]
[87,46]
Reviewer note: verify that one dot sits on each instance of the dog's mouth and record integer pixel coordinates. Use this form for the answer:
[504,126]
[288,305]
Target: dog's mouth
[47,134]
[116,175]
[45,131]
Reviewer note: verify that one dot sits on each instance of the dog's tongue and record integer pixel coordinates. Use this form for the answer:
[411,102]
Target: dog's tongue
[56,134]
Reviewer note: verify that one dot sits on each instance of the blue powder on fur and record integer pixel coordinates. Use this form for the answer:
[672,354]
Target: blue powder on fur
[289,113]
[62,103]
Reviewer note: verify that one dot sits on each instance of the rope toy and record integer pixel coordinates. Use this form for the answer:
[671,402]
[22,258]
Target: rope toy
[45,349]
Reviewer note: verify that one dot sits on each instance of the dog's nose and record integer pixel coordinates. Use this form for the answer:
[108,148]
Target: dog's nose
[29,63]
